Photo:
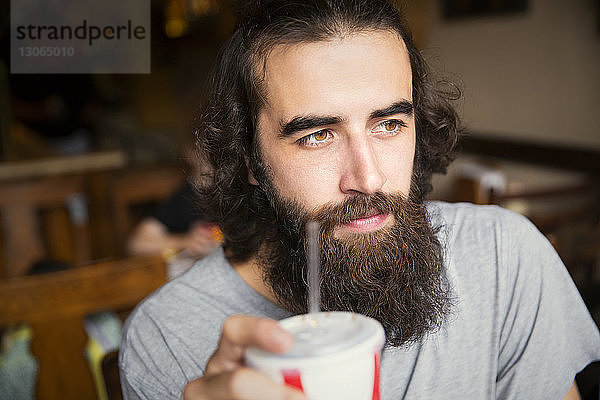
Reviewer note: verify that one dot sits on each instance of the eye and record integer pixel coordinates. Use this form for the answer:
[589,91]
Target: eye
[319,138]
[389,127]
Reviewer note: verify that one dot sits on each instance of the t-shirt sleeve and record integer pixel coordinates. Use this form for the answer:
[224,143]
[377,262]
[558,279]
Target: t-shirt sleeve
[547,335]
[132,391]
[150,368]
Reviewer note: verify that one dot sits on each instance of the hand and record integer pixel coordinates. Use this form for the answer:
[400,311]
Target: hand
[226,377]
[201,239]
[151,236]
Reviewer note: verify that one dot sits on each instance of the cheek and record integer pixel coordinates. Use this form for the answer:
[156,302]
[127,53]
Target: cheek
[396,163]
[308,182]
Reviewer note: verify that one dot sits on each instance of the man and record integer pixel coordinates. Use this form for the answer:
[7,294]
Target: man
[323,109]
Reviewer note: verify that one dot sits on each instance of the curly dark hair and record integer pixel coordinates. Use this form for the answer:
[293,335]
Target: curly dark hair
[225,134]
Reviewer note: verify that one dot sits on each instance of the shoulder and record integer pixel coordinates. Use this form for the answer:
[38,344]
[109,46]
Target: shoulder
[516,298]
[470,228]
[194,298]
[176,327]
[467,214]
[492,253]
[192,291]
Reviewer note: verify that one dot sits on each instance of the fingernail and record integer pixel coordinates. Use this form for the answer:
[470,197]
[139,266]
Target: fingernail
[282,338]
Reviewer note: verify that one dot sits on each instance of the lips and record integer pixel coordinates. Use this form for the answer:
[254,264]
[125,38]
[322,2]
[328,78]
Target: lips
[370,222]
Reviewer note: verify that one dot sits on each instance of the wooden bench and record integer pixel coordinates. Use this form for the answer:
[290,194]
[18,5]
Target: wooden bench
[54,305]
[43,219]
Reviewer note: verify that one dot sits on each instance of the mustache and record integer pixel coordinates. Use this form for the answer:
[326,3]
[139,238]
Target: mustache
[357,206]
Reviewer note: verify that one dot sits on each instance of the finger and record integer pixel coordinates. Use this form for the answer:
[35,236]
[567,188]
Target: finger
[242,331]
[265,333]
[241,384]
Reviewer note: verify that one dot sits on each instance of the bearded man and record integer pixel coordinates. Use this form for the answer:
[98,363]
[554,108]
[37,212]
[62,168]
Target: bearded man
[324,110]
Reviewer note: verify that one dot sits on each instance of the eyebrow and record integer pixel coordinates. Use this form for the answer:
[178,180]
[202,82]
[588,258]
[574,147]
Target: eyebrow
[400,107]
[302,123]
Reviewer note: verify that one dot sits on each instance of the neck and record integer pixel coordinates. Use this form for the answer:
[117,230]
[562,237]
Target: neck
[250,272]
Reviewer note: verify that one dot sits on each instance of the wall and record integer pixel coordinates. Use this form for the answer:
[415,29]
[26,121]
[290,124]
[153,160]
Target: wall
[533,76]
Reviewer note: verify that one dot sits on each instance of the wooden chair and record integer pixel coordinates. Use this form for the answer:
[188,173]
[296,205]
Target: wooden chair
[39,197]
[550,208]
[139,187]
[43,219]
[112,379]
[53,305]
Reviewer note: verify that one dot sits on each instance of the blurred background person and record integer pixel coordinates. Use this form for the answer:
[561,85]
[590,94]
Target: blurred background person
[175,226]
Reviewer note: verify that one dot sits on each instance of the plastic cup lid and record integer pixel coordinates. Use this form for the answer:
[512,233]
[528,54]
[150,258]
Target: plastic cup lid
[327,333]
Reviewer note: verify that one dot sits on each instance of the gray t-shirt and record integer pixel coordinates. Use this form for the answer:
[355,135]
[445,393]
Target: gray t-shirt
[519,329]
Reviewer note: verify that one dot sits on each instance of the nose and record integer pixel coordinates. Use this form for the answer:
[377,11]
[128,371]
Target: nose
[361,172]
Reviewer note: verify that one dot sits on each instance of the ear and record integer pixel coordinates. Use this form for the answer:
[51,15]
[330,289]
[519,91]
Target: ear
[251,179]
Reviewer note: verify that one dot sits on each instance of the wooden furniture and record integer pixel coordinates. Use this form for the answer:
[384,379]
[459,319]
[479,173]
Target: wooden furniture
[43,219]
[550,197]
[112,379]
[552,208]
[582,159]
[61,166]
[56,208]
[548,206]
[138,187]
[54,306]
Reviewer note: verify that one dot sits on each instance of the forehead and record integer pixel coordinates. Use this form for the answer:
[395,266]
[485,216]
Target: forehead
[354,73]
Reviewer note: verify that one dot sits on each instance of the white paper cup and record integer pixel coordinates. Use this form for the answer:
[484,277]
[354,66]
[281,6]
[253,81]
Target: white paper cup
[336,355]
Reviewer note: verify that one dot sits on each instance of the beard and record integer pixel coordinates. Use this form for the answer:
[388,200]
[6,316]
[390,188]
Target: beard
[395,275]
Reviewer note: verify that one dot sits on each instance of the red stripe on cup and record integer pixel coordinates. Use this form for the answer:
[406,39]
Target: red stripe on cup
[292,378]
[376,395]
